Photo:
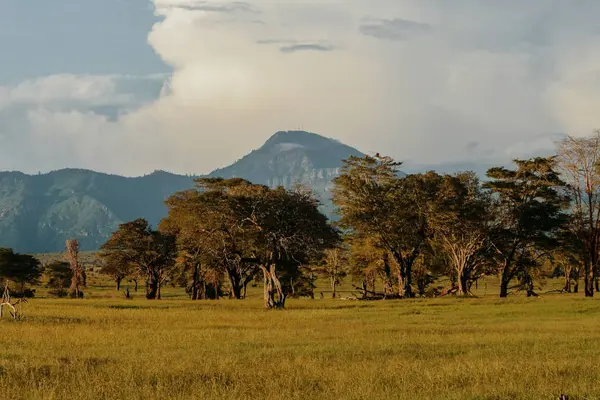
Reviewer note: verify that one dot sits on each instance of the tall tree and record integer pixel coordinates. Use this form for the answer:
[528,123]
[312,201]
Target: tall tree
[116,267]
[528,218]
[334,267]
[375,202]
[77,280]
[579,166]
[150,252]
[287,232]
[367,263]
[208,223]
[461,228]
[568,260]
[21,269]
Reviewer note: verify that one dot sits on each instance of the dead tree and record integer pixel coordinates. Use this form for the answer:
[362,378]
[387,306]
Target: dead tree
[15,308]
[76,268]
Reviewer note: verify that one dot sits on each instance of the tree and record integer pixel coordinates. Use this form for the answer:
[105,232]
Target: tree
[58,277]
[567,259]
[208,223]
[528,218]
[150,252]
[579,165]
[193,275]
[375,202]
[334,267]
[287,231]
[234,227]
[115,267]
[21,269]
[461,228]
[367,263]
[77,279]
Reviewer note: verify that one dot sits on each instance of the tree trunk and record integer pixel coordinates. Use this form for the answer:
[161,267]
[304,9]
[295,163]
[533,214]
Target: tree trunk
[281,296]
[462,283]
[404,275]
[245,289]
[269,299]
[405,281]
[333,287]
[135,285]
[274,295]
[505,281]
[576,286]
[567,287]
[236,285]
[158,296]
[195,282]
[151,288]
[589,279]
[118,282]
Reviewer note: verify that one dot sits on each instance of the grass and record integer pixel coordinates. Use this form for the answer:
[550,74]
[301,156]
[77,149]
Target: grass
[450,348]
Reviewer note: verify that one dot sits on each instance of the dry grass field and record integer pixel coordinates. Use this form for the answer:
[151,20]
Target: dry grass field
[106,347]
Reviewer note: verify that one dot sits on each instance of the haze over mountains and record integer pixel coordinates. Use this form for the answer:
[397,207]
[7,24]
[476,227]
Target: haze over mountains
[39,212]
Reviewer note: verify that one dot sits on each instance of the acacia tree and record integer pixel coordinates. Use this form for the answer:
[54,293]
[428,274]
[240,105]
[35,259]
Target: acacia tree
[334,267]
[58,277]
[579,166]
[375,202]
[287,231]
[461,228]
[116,267]
[366,263]
[568,261]
[150,252]
[22,269]
[528,218]
[208,223]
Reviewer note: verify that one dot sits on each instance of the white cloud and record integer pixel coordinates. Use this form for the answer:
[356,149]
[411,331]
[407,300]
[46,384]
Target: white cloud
[421,80]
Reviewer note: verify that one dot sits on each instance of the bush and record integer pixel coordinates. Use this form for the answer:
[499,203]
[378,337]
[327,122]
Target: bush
[27,293]
[72,294]
[60,293]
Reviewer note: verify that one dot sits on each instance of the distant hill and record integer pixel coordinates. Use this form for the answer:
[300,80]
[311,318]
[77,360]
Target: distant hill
[39,212]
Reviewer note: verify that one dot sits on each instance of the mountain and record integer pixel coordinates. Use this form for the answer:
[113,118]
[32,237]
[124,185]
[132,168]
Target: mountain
[39,212]
[289,157]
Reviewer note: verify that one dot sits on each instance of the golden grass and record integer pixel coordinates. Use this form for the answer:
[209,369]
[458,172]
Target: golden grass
[317,349]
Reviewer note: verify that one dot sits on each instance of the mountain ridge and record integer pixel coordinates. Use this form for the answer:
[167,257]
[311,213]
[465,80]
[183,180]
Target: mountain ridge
[38,212]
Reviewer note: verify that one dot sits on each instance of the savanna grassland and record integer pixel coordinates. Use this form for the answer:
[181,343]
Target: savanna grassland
[449,348]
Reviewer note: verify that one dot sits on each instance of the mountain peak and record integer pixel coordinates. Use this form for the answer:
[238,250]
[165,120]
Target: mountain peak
[288,157]
[298,137]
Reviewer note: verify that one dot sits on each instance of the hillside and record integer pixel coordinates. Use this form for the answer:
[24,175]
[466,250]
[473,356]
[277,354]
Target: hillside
[39,212]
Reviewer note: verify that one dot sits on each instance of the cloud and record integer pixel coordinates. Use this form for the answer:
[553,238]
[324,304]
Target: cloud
[305,47]
[446,75]
[208,6]
[87,89]
[393,29]
[293,46]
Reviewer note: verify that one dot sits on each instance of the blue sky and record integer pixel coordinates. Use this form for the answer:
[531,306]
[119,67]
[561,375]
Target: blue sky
[43,37]
[129,86]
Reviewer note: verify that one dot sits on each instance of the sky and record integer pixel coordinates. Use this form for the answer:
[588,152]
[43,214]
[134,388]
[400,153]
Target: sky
[132,86]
